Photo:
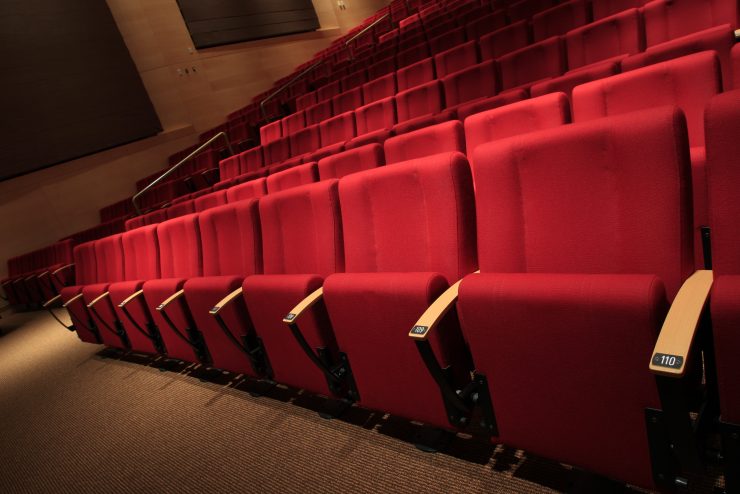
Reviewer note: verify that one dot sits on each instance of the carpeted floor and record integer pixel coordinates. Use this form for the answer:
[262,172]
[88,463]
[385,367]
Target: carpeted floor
[72,420]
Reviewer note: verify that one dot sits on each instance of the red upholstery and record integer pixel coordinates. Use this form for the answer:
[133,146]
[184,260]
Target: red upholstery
[532,64]
[338,129]
[380,68]
[722,120]
[251,160]
[374,137]
[305,141]
[180,209]
[736,66]
[353,80]
[277,151]
[595,290]
[422,100]
[486,24]
[560,19]
[476,106]
[412,55]
[294,269]
[504,40]
[230,167]
[109,269]
[666,20]
[606,8]
[270,132]
[232,246]
[472,83]
[525,9]
[382,87]
[211,200]
[517,118]
[347,101]
[446,40]
[618,35]
[573,78]
[293,123]
[442,138]
[292,177]
[352,161]
[457,58]
[328,91]
[303,102]
[391,279]
[247,190]
[318,112]
[415,74]
[376,116]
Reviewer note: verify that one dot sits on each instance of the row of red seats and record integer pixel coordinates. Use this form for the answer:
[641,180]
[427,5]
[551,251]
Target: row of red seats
[582,234]
[39,275]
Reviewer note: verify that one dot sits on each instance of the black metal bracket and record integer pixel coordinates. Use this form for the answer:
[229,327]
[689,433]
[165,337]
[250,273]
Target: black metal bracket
[731,453]
[706,246]
[152,333]
[481,396]
[251,345]
[191,337]
[338,375]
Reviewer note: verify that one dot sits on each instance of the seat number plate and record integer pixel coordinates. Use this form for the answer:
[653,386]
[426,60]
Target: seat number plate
[665,360]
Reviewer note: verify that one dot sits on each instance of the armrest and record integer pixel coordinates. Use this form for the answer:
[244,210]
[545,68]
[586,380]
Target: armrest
[51,301]
[73,299]
[434,314]
[303,306]
[29,278]
[225,301]
[97,299]
[679,328]
[170,299]
[130,298]
[68,266]
[40,275]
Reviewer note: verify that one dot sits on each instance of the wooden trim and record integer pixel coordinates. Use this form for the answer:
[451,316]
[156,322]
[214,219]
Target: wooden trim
[68,302]
[303,306]
[42,274]
[170,299]
[679,328]
[434,314]
[98,299]
[51,301]
[225,301]
[130,298]
[63,267]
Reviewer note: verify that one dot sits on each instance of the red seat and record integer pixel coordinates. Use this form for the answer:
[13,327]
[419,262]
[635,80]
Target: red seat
[230,167]
[736,66]
[180,209]
[504,40]
[303,102]
[560,19]
[305,141]
[382,87]
[723,170]
[292,177]
[353,80]
[615,36]
[565,272]
[338,129]
[666,20]
[293,123]
[688,82]
[382,67]
[446,137]
[390,278]
[415,74]
[446,40]
[606,8]
[328,91]
[319,112]
[347,101]
[270,132]
[534,63]
[464,110]
[525,9]
[251,160]
[211,200]
[413,54]
[252,189]
[85,267]
[351,161]
[517,118]
[566,82]
[380,115]
[486,24]
[277,151]
[455,59]
[472,83]
[422,100]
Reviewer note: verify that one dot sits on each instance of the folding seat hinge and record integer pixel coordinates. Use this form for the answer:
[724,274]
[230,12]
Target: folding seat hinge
[481,397]
[255,351]
[198,343]
[706,246]
[122,333]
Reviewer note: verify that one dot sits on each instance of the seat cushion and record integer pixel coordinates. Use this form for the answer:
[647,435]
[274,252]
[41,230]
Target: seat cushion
[156,292]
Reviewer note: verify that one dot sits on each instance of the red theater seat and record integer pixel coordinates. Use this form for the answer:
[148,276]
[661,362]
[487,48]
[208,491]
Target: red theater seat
[252,189]
[251,160]
[534,63]
[422,100]
[303,102]
[486,24]
[472,83]
[525,9]
[457,58]
[476,106]
[230,167]
[328,91]
[293,123]
[292,177]
[573,78]
[270,132]
[351,161]
[669,19]
[347,101]
[211,200]
[560,19]
[277,151]
[446,137]
[319,112]
[180,209]
[615,36]
[382,87]
[446,40]
[380,115]
[382,67]
[415,74]
[413,54]
[504,40]
[338,129]
[305,141]
[606,8]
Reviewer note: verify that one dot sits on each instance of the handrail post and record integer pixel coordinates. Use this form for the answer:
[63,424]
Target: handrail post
[169,171]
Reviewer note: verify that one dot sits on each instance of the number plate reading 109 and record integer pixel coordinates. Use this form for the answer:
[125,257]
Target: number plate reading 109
[665,360]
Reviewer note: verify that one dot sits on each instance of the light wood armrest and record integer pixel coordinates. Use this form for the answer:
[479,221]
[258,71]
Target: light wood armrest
[51,301]
[62,269]
[98,299]
[170,299]
[39,276]
[29,278]
[130,298]
[303,306]
[679,328]
[225,301]
[68,302]
[434,314]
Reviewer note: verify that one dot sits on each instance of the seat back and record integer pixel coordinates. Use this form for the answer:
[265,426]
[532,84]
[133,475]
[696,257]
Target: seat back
[180,209]
[347,101]
[305,141]
[531,64]
[376,116]
[457,58]
[248,190]
[180,253]
[251,160]
[338,129]
[382,87]
[292,177]
[560,19]
[301,230]
[231,240]
[293,123]
[276,151]
[86,267]
[620,34]
[109,259]
[477,81]
[270,132]
[351,161]
[141,254]
[606,8]
[525,9]
[504,40]
[670,19]
[425,99]
[446,137]
[415,74]
[230,167]
[318,112]
[208,201]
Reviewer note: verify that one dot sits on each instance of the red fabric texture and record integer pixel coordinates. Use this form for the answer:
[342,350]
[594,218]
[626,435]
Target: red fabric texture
[670,19]
[620,34]
[380,115]
[328,91]
[351,161]
[415,74]
[86,268]
[571,79]
[725,319]
[545,207]
[476,106]
[379,88]
[455,59]
[525,9]
[109,259]
[156,292]
[276,151]
[230,167]
[606,8]
[211,200]
[533,63]
[103,314]
[292,177]
[79,314]
[251,160]
[347,101]
[270,132]
[374,137]
[305,141]
[472,83]
[181,209]
[303,102]
[560,19]
[446,137]
[504,40]
[580,331]
[293,123]
[247,190]
[231,240]
[141,253]
[425,99]
[337,129]
[486,24]
[138,311]
[179,248]
[448,39]
[319,112]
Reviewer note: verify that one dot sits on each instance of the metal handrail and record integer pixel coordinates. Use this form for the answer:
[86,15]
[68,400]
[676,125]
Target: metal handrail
[173,168]
[366,29]
[286,86]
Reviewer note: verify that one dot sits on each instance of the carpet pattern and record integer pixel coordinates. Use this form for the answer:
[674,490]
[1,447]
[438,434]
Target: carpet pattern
[72,420]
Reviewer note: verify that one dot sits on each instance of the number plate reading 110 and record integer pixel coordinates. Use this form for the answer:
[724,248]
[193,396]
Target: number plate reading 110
[665,360]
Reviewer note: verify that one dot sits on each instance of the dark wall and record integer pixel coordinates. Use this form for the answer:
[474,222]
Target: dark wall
[68,86]
[219,22]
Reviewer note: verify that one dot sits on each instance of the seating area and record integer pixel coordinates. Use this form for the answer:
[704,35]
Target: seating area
[508,219]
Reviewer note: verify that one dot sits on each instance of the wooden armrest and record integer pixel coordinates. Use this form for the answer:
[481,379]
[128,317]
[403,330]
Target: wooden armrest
[68,302]
[130,298]
[303,306]
[225,301]
[434,314]
[737,34]
[170,299]
[29,278]
[40,275]
[97,299]
[54,273]
[679,328]
[51,301]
